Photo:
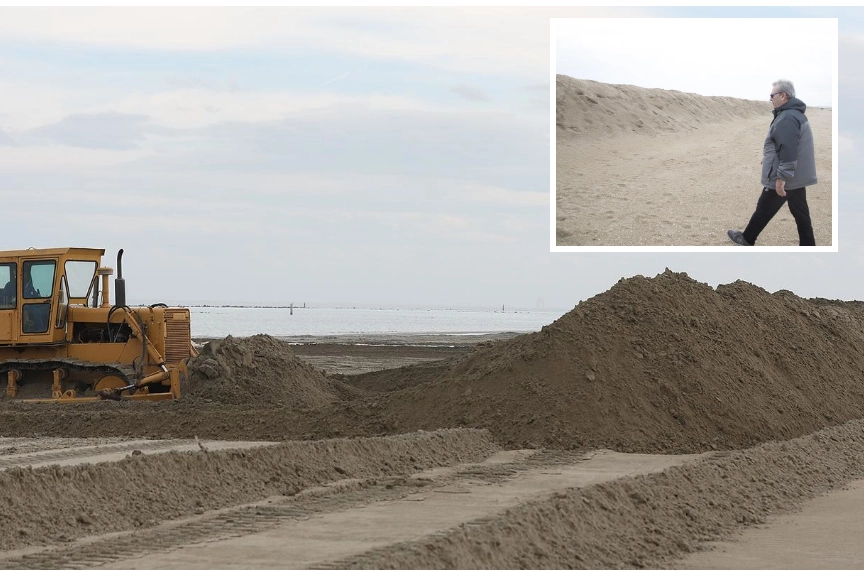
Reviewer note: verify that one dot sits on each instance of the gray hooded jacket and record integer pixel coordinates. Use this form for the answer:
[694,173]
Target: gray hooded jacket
[788,152]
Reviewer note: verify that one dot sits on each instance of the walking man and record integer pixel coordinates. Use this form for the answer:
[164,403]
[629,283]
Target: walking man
[788,166]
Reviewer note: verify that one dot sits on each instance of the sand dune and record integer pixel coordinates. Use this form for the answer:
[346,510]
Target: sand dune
[589,108]
[648,167]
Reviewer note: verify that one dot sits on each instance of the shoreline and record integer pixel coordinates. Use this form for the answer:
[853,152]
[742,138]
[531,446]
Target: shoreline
[418,339]
[351,354]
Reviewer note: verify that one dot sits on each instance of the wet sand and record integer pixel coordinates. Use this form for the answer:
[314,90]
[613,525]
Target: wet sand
[359,353]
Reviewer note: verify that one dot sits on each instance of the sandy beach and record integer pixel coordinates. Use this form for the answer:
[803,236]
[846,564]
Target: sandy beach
[359,353]
[638,430]
[648,167]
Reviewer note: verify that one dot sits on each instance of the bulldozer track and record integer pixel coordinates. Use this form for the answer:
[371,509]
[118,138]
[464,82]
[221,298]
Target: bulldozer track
[126,372]
[60,454]
[25,366]
[245,519]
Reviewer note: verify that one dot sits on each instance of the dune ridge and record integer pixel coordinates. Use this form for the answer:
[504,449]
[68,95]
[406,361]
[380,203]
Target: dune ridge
[586,107]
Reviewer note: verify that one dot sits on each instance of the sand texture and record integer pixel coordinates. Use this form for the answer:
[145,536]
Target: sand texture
[259,370]
[43,504]
[649,167]
[340,504]
[767,388]
[648,521]
[663,365]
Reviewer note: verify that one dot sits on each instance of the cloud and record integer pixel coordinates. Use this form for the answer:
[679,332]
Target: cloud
[497,196]
[107,130]
[352,148]
[193,108]
[222,204]
[5,138]
[542,88]
[28,104]
[471,93]
[361,140]
[196,81]
[852,40]
[345,75]
[489,148]
[501,41]
[851,85]
[33,160]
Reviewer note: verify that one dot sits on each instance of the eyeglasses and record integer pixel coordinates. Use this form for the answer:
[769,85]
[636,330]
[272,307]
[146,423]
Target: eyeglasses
[774,94]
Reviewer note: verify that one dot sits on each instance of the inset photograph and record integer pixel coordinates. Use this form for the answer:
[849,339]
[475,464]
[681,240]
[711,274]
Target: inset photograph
[694,134]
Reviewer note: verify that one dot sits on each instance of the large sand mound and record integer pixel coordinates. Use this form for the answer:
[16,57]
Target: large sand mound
[589,108]
[658,364]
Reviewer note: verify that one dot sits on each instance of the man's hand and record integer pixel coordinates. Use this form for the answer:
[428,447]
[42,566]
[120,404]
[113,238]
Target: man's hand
[780,186]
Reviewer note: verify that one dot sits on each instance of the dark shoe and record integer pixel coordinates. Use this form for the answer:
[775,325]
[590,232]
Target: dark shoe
[738,237]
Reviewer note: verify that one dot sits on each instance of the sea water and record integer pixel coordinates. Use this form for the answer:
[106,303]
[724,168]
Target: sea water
[220,321]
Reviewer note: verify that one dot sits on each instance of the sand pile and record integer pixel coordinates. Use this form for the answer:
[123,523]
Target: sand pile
[259,370]
[663,364]
[658,364]
[394,379]
[589,108]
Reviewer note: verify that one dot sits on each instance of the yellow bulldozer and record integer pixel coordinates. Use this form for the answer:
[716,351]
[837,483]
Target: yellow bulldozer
[61,339]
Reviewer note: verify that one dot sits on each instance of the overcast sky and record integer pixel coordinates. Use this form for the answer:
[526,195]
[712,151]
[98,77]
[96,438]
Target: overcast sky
[364,156]
[707,56]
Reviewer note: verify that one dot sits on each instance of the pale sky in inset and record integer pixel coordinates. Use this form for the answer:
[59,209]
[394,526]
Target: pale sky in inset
[737,57]
[395,156]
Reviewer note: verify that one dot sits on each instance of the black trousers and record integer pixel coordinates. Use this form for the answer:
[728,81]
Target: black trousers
[770,203]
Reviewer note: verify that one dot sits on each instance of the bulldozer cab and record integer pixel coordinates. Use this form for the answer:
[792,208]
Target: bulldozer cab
[36,288]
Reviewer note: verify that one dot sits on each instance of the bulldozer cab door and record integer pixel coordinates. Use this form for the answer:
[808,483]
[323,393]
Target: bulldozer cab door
[37,291]
[8,302]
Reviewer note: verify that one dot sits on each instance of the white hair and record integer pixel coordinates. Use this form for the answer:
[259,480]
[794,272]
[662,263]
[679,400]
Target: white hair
[786,86]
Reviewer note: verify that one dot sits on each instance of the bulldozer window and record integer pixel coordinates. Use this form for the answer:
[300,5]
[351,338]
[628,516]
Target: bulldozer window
[34,318]
[38,280]
[8,286]
[80,274]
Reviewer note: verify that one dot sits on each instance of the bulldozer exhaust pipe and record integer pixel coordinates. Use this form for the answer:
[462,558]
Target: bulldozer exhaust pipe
[119,283]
